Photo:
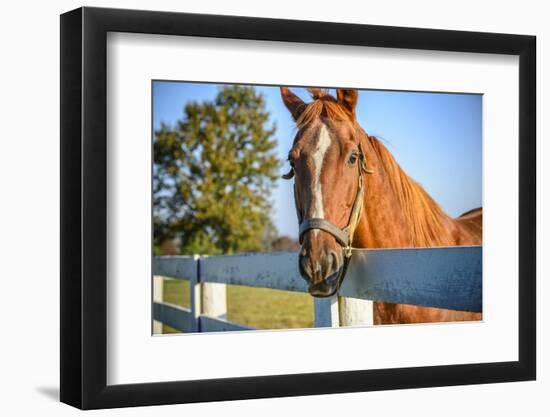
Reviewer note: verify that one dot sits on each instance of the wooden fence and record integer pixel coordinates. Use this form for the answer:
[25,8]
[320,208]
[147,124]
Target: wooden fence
[434,277]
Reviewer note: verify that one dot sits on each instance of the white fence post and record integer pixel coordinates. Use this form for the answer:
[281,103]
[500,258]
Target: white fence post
[326,312]
[213,297]
[214,300]
[158,297]
[355,312]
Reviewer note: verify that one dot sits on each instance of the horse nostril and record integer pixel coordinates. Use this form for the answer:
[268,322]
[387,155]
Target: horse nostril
[334,264]
[332,279]
[315,270]
[304,267]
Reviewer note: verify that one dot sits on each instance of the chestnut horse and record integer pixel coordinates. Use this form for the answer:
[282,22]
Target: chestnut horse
[350,192]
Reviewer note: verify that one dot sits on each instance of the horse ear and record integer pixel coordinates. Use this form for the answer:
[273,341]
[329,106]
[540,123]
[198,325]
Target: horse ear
[347,98]
[293,103]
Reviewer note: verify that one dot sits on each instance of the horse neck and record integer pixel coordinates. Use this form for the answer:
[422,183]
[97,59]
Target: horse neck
[397,211]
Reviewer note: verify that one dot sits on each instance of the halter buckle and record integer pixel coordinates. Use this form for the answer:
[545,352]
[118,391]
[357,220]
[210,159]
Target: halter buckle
[348,251]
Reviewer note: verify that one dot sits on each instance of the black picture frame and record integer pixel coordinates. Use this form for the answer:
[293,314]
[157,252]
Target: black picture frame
[84,207]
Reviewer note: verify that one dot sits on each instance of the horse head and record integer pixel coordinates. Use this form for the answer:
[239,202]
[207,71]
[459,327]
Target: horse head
[328,164]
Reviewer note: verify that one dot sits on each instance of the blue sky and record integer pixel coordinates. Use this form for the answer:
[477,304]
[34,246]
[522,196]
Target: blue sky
[435,137]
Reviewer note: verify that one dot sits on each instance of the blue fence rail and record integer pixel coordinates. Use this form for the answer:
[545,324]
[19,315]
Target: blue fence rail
[449,277]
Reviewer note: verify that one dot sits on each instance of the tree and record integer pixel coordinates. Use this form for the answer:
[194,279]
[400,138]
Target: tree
[213,175]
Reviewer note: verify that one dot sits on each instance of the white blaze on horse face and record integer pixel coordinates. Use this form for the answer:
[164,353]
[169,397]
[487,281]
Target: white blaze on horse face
[323,143]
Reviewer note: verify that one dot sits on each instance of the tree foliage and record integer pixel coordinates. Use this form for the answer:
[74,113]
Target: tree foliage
[213,175]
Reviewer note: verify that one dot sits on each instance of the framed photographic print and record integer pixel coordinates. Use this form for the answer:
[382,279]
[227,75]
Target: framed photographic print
[258,208]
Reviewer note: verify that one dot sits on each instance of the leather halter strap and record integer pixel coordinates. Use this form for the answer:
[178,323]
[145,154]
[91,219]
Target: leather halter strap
[345,235]
[341,235]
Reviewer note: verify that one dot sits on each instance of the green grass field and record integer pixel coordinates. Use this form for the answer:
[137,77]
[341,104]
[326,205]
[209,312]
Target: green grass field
[255,307]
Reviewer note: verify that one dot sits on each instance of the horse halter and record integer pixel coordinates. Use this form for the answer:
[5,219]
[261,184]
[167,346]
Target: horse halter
[344,236]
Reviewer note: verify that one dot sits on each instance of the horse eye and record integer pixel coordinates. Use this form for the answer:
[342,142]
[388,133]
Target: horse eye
[352,159]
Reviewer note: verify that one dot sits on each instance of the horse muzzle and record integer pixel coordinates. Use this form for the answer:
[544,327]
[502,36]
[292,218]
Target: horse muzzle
[324,276]
[328,287]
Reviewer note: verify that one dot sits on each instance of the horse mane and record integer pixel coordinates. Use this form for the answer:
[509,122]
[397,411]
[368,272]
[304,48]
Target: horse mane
[428,222]
[323,105]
